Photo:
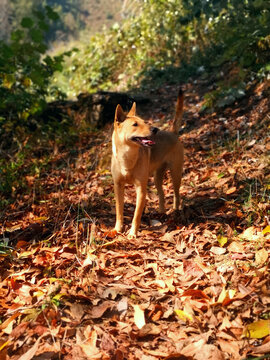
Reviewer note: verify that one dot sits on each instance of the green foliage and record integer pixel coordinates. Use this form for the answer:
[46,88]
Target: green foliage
[10,172]
[165,35]
[25,71]
[4,248]
[240,31]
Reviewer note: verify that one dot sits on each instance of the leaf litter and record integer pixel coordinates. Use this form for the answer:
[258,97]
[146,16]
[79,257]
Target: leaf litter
[194,285]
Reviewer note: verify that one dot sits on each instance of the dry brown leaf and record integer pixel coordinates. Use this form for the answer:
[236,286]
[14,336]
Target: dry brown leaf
[91,351]
[192,269]
[261,256]
[201,351]
[139,318]
[262,349]
[236,247]
[77,311]
[230,347]
[32,351]
[19,330]
[178,357]
[107,344]
[226,296]
[169,236]
[9,320]
[89,260]
[98,311]
[251,234]
[157,353]
[218,250]
[231,190]
[150,329]
[196,294]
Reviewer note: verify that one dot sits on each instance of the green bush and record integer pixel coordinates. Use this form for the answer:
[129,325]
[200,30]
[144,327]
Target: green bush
[168,34]
[25,72]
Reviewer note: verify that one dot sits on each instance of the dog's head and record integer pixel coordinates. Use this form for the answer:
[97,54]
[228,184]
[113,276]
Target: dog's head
[132,129]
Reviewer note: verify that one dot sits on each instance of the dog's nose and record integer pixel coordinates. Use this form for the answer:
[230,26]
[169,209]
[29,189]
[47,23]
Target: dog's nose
[154,130]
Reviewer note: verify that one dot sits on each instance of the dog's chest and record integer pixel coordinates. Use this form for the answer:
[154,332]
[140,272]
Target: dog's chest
[129,165]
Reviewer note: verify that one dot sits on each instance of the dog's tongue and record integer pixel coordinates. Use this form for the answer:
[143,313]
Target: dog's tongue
[147,142]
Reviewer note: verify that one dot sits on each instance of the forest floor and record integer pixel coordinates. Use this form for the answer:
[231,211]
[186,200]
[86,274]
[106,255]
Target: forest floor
[194,285]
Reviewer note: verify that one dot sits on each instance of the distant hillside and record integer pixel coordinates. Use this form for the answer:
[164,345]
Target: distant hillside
[102,12]
[75,15]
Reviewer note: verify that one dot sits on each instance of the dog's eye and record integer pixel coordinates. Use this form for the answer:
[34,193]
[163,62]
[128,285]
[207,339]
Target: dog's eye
[135,124]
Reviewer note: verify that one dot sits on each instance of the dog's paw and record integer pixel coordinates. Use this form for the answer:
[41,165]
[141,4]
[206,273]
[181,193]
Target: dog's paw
[132,234]
[118,228]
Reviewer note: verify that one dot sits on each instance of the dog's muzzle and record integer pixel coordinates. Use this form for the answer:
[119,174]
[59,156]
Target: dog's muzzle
[145,141]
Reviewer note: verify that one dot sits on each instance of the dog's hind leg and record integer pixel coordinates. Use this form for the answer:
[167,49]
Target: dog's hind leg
[158,179]
[176,180]
[176,170]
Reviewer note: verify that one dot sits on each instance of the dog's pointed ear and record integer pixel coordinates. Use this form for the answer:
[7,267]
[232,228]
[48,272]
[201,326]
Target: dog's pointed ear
[132,111]
[119,114]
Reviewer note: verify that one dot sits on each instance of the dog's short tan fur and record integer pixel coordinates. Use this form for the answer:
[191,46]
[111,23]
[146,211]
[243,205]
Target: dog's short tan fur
[138,151]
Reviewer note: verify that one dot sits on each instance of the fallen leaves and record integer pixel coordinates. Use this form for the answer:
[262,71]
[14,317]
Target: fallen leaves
[194,286]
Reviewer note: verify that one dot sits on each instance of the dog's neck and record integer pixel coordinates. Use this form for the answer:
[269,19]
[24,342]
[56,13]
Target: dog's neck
[126,155]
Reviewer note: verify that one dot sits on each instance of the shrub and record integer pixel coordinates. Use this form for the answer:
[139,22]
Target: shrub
[25,72]
[168,34]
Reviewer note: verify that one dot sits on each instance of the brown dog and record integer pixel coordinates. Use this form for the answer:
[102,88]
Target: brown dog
[138,151]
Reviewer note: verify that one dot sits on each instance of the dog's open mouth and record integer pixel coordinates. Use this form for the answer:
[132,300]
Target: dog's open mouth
[145,141]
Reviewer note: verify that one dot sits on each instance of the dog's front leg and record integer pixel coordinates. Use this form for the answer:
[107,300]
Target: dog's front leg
[140,202]
[119,198]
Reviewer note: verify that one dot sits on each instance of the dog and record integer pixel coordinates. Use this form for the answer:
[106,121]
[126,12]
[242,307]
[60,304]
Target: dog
[138,151]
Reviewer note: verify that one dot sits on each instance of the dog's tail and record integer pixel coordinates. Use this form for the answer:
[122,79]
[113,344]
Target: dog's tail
[177,121]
